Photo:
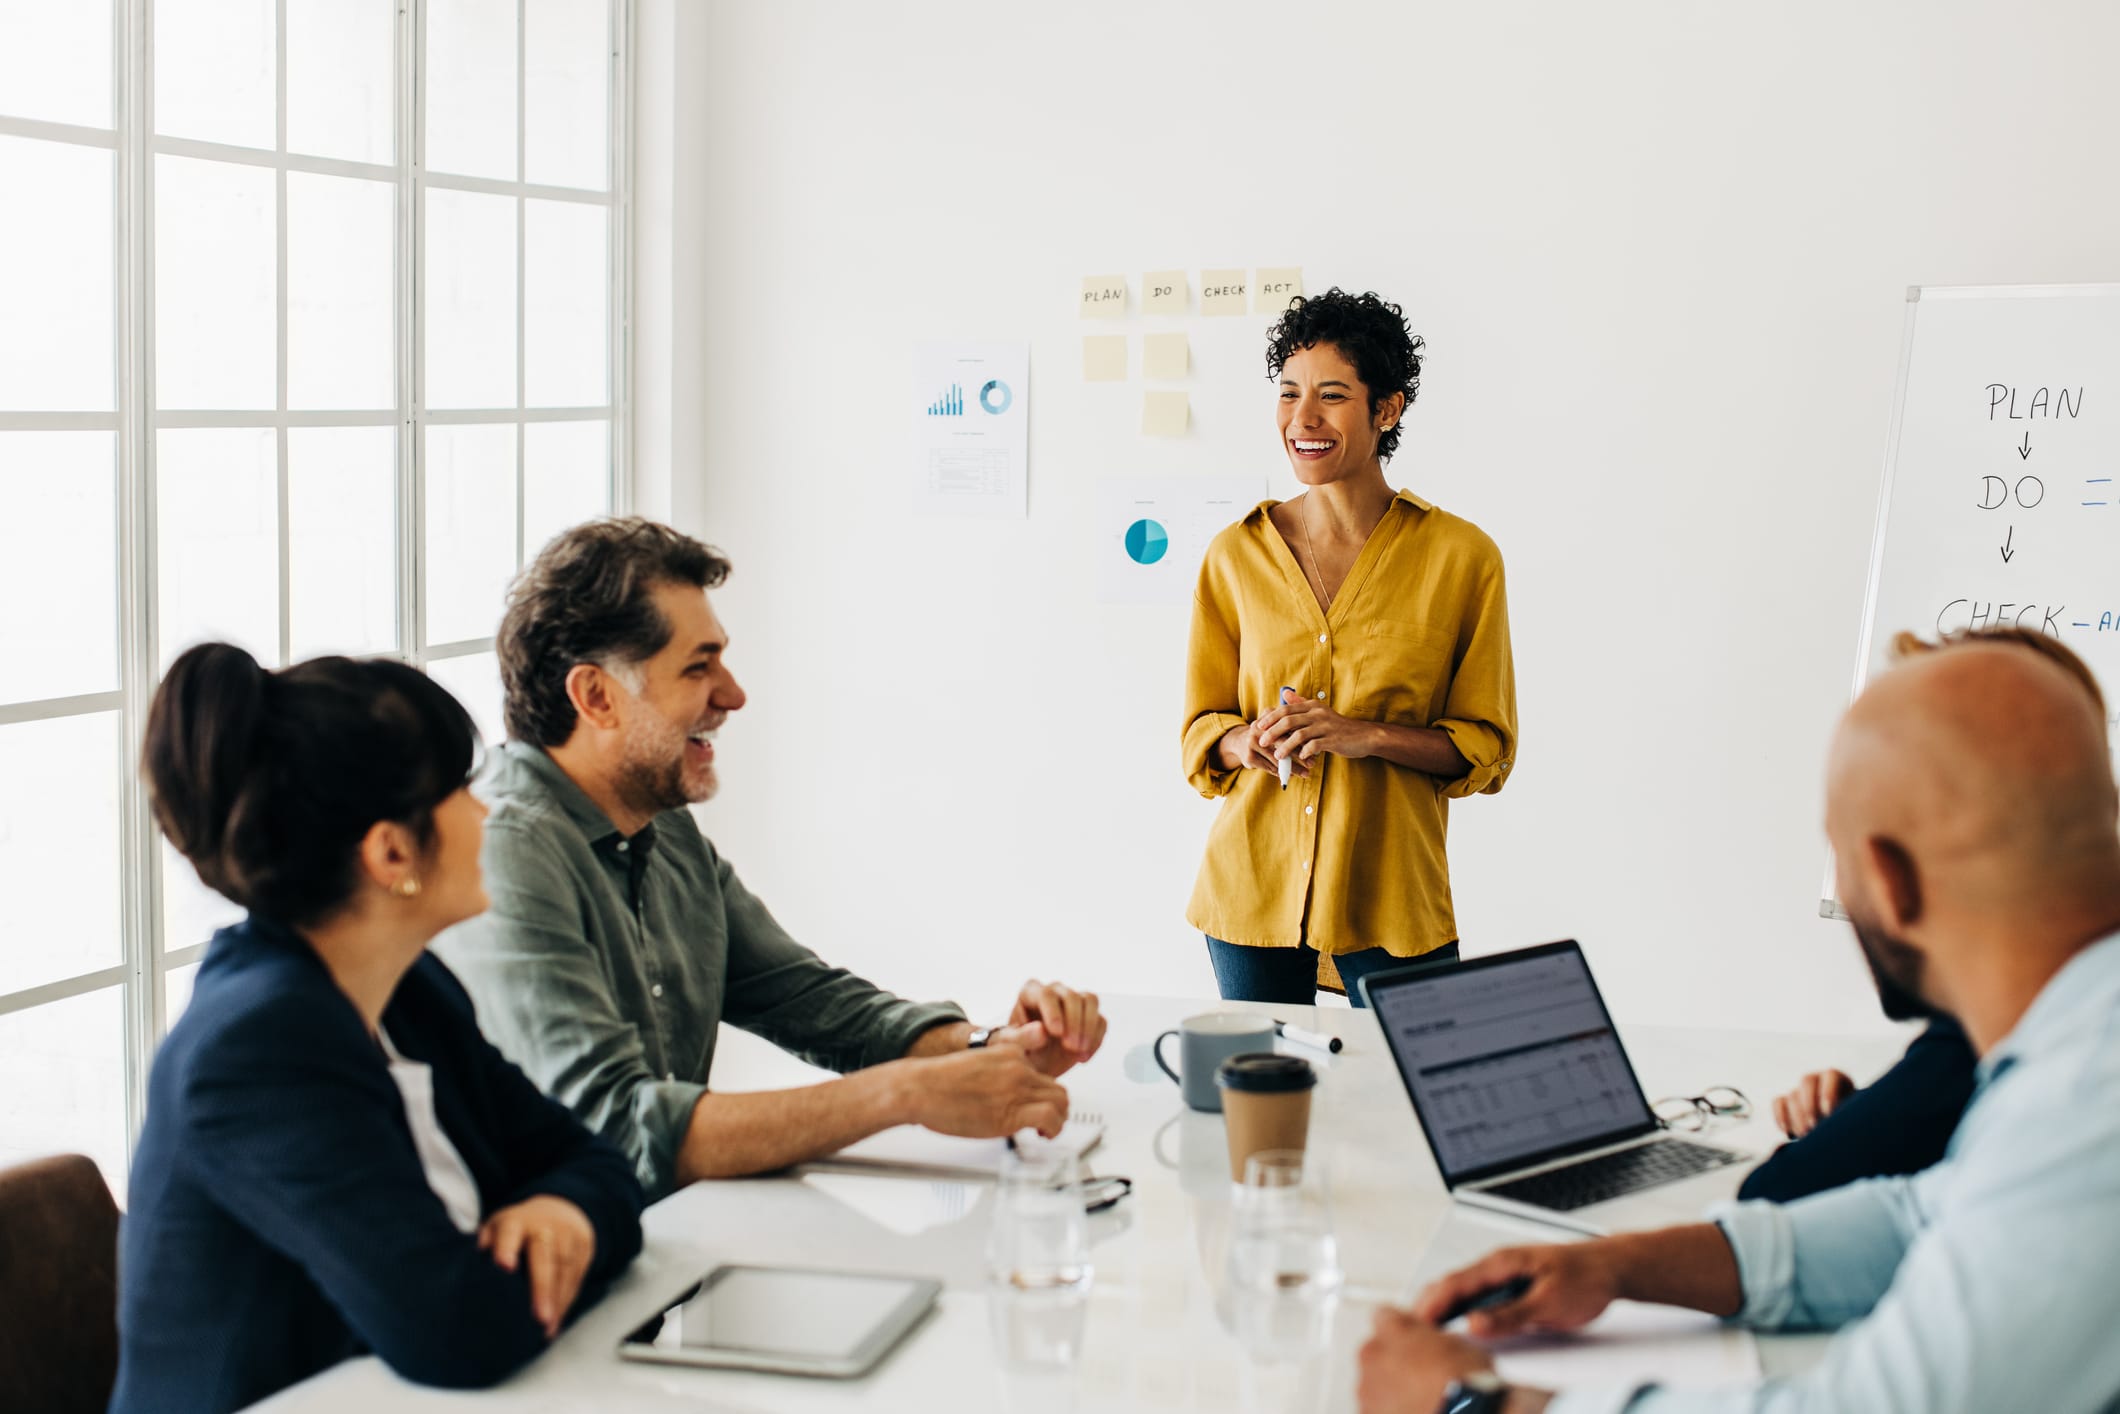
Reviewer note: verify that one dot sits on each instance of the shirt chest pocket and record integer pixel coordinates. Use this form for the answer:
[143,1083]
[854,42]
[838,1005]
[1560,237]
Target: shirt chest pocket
[1400,673]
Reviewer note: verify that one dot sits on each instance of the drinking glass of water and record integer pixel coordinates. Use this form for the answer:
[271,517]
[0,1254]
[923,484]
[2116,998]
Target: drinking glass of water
[1284,1261]
[1038,1261]
[1040,1237]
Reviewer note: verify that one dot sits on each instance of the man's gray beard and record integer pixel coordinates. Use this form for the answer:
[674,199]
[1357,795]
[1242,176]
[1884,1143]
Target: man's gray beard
[654,781]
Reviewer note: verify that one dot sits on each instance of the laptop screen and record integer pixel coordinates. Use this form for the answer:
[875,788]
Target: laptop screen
[1511,1060]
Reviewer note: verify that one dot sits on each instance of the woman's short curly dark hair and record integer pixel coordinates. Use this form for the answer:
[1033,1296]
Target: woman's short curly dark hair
[1371,334]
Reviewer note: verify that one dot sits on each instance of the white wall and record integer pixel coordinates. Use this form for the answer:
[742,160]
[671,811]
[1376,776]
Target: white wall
[1659,252]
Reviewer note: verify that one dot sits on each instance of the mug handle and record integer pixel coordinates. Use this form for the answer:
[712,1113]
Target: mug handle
[1156,1050]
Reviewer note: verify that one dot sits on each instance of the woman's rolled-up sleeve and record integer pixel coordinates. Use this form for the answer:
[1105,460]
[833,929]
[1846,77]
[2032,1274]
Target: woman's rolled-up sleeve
[1480,713]
[1210,691]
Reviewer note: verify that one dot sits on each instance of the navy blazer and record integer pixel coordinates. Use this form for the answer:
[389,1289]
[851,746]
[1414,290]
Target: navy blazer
[280,1220]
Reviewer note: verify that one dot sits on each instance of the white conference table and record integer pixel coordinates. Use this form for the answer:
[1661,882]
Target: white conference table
[1152,1338]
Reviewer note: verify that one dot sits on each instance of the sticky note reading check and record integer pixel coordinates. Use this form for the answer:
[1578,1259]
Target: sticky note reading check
[1224,292]
[1103,357]
[1103,296]
[1165,355]
[1164,414]
[1165,292]
[1271,290]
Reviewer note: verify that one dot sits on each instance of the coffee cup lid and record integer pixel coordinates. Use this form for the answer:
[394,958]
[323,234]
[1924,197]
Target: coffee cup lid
[1265,1073]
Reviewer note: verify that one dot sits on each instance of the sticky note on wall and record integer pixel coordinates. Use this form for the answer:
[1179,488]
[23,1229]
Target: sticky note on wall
[1103,296]
[1224,292]
[1103,357]
[1165,292]
[1271,290]
[1165,355]
[1164,414]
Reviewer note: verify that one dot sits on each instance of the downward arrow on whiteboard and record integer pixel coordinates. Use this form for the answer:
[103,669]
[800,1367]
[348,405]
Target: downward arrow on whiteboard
[2006,550]
[2025,451]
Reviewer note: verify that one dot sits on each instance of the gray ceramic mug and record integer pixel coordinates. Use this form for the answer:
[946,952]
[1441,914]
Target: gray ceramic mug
[1204,1042]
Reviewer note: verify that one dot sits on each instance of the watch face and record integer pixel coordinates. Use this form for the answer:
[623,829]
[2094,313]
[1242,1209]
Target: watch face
[1481,1392]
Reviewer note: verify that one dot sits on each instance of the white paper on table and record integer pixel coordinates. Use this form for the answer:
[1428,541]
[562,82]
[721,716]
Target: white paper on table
[914,1149]
[1634,1343]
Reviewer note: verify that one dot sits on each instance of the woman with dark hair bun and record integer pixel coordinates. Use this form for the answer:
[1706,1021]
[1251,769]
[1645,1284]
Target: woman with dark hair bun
[1349,674]
[334,1160]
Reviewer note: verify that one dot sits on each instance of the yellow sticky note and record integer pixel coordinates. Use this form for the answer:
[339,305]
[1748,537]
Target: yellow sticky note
[1103,357]
[1164,414]
[1165,355]
[1224,292]
[1165,292]
[1103,296]
[1271,290]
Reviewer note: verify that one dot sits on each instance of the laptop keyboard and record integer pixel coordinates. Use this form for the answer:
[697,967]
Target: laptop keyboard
[1612,1175]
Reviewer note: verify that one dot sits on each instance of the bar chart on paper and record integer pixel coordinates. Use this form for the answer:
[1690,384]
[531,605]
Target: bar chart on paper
[950,404]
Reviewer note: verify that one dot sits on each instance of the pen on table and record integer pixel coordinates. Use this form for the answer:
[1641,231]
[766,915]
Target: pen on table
[1301,1037]
[1288,763]
[1486,1300]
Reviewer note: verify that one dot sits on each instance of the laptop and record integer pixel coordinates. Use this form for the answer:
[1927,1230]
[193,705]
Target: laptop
[1524,1091]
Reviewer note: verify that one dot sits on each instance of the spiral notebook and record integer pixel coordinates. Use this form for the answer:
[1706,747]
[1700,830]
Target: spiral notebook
[912,1149]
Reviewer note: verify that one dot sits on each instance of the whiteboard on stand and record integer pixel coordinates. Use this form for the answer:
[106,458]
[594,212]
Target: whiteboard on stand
[2000,502]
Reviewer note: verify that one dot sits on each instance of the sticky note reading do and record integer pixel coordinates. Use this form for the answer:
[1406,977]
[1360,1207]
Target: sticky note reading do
[1165,292]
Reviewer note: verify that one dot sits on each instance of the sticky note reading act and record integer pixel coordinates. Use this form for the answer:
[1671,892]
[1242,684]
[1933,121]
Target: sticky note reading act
[1224,292]
[1165,292]
[1164,414]
[1271,290]
[1103,357]
[1165,355]
[1103,296]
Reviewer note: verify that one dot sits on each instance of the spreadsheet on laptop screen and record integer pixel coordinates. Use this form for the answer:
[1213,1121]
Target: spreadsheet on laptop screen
[1510,1060]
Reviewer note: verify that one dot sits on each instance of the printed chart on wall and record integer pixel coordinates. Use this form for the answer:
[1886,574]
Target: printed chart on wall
[1152,532]
[2001,496]
[971,428]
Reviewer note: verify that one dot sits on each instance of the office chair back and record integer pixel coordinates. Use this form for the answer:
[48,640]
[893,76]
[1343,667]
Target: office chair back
[58,1287]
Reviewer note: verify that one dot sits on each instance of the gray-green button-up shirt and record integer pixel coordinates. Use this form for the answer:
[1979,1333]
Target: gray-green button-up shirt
[605,965]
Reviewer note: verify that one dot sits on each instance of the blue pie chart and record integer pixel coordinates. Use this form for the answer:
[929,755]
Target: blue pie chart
[1146,542]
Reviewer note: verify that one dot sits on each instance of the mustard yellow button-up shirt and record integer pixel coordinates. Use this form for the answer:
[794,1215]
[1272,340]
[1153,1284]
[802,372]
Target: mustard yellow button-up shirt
[1350,857]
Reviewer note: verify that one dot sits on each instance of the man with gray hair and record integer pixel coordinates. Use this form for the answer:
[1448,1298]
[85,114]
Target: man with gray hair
[619,937]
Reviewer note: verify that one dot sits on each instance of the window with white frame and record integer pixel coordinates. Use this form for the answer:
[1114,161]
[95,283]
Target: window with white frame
[309,336]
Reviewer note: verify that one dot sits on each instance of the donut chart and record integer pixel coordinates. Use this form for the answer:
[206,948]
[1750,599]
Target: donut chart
[1147,541]
[995,397]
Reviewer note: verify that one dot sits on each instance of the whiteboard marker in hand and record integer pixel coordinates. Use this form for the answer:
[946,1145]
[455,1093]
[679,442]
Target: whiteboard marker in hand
[1288,763]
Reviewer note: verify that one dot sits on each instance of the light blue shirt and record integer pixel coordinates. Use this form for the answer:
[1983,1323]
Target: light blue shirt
[1990,1282]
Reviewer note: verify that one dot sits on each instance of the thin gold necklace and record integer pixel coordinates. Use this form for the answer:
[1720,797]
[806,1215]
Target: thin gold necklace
[1325,596]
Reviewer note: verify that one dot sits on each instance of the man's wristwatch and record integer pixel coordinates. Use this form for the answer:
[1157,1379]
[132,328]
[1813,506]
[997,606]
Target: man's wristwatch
[1481,1392]
[981,1037]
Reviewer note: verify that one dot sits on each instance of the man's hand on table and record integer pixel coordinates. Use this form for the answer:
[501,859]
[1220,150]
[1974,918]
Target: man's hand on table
[983,1094]
[1055,1027]
[1407,1364]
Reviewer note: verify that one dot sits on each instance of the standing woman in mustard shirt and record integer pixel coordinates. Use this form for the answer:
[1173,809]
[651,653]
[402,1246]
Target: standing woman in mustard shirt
[1387,618]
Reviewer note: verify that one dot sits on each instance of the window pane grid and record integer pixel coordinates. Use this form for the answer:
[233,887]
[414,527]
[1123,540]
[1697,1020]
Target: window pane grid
[216,129]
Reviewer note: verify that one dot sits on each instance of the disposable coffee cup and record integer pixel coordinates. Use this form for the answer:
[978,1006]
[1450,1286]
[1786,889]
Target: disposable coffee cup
[1265,1104]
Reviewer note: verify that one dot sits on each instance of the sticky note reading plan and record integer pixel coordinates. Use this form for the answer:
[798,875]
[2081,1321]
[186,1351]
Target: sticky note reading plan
[1103,357]
[1165,292]
[1164,414]
[1271,290]
[1103,296]
[1224,292]
[1165,355]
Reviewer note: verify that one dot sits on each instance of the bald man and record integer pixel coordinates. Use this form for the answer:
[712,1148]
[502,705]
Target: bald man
[1972,809]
